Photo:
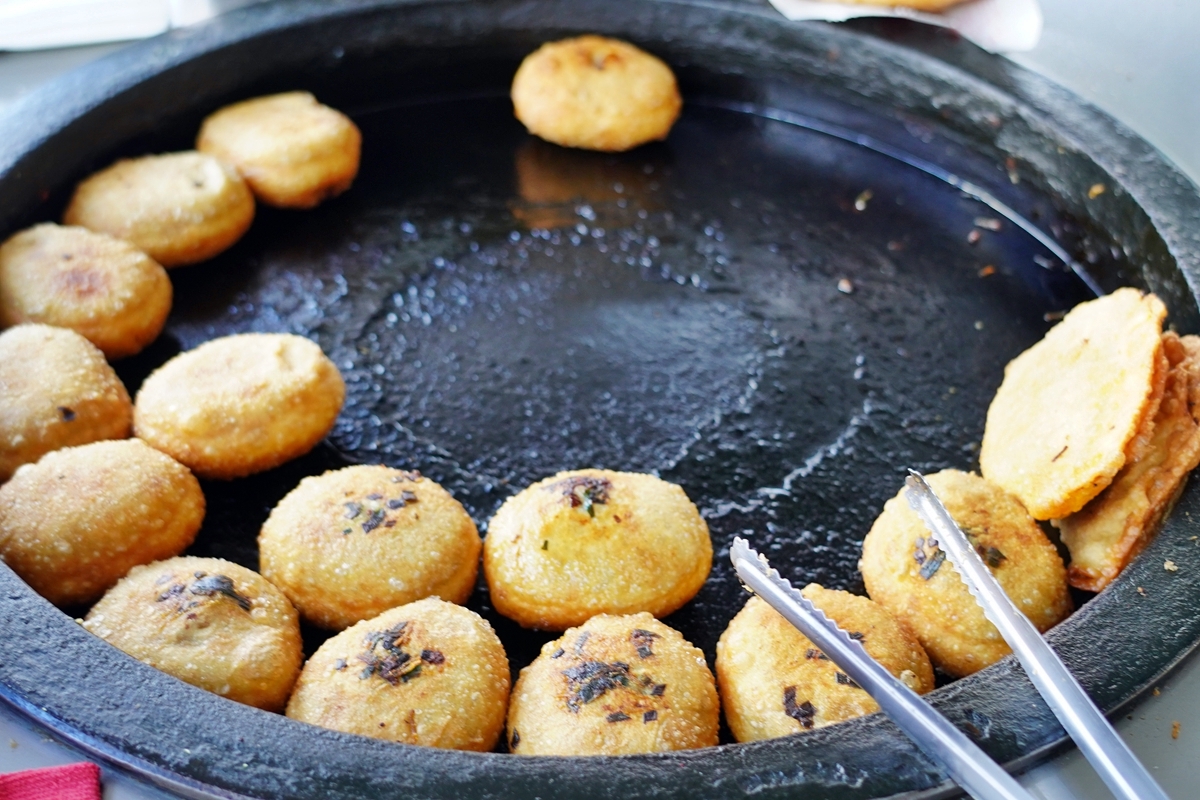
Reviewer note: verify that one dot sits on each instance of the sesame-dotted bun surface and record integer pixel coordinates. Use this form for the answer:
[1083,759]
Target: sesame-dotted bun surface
[208,622]
[350,544]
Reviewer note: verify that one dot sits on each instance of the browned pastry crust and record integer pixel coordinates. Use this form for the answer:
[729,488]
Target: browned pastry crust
[103,288]
[595,93]
[58,391]
[208,622]
[75,522]
[293,151]
[614,686]
[179,208]
[240,404]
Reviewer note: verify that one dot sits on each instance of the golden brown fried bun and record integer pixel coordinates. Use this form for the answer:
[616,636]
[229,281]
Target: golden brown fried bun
[1107,533]
[594,541]
[103,288]
[352,543]
[293,151]
[1071,407]
[905,571]
[774,682]
[75,522]
[179,208]
[595,93]
[208,622]
[57,391]
[614,686]
[430,673]
[240,404]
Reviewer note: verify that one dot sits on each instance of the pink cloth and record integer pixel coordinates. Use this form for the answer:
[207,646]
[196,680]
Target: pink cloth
[72,782]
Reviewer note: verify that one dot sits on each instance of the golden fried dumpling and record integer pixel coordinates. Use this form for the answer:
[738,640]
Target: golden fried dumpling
[240,404]
[350,544]
[58,391]
[293,151]
[106,289]
[616,685]
[774,682]
[904,570]
[595,93]
[208,622]
[430,673]
[178,208]
[595,541]
[78,520]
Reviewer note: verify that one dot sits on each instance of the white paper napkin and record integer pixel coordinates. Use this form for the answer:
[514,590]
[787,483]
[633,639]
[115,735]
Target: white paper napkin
[999,26]
[41,24]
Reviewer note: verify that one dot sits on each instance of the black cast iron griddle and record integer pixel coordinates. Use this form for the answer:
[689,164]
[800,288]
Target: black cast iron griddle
[780,320]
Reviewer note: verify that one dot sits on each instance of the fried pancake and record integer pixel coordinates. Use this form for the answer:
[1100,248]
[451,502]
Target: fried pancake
[774,682]
[428,673]
[78,520]
[616,685]
[106,289]
[240,404]
[352,543]
[904,570]
[58,391]
[595,93]
[208,622]
[593,542]
[178,208]
[293,151]
[1073,407]
[1112,529]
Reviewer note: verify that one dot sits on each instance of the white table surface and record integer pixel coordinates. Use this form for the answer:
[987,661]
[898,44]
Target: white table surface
[1137,59]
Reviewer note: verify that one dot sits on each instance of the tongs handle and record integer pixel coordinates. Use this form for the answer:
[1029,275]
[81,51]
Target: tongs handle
[1099,742]
[966,764]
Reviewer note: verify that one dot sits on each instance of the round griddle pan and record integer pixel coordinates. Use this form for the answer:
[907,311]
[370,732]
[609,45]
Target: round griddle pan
[778,308]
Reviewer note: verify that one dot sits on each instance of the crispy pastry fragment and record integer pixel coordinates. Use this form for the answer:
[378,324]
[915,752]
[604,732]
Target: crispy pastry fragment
[1112,529]
[1075,407]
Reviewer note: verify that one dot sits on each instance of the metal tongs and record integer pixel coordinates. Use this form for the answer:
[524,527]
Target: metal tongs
[1112,759]
[965,763]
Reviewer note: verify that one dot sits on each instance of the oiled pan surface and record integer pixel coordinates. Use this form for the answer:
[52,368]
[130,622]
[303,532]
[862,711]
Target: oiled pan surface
[778,321]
